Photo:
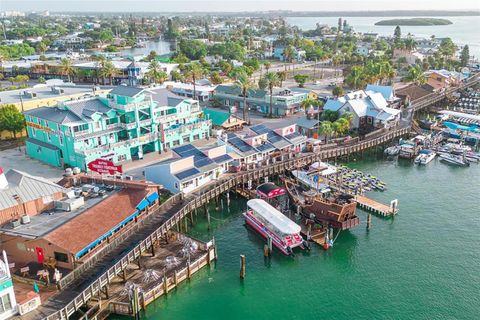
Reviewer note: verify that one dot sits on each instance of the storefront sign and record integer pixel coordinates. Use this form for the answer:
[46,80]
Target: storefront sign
[39,126]
[104,167]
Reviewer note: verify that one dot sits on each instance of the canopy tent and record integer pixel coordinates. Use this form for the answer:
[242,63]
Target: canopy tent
[273,216]
[269,190]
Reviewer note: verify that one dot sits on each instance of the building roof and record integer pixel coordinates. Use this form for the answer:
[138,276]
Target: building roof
[54,114]
[413,91]
[165,97]
[307,123]
[334,104]
[85,108]
[92,224]
[26,187]
[386,91]
[127,91]
[43,92]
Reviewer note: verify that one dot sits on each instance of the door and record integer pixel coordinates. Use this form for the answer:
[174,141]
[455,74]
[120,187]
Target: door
[40,255]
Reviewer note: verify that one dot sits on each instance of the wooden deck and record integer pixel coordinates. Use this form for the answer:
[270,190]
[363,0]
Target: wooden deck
[86,281]
[374,206]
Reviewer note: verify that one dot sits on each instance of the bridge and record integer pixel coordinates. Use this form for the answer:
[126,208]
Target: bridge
[89,280]
[434,97]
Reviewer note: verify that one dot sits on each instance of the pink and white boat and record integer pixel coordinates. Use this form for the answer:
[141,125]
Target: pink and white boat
[271,223]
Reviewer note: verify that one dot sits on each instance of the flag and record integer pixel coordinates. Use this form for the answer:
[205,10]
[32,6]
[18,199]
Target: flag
[35,287]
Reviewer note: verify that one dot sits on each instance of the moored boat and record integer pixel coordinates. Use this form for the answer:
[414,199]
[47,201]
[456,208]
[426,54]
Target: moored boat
[271,223]
[454,160]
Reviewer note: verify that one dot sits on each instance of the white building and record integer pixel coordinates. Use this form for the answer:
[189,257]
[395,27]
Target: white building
[8,303]
[189,168]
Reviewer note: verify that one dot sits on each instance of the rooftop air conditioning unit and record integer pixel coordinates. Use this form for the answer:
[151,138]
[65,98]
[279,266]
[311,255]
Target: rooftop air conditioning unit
[69,204]
[15,223]
[25,219]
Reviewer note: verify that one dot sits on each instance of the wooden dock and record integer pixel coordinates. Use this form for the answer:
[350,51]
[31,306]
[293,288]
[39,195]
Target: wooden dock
[376,207]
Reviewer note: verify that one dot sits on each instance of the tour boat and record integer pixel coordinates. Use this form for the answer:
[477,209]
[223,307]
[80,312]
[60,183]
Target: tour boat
[273,224]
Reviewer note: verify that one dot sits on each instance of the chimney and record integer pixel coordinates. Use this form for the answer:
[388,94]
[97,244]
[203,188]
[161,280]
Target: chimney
[3,180]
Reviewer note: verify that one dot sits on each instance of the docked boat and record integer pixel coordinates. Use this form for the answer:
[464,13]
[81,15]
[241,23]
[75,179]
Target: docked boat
[329,208]
[271,223]
[425,156]
[392,151]
[454,160]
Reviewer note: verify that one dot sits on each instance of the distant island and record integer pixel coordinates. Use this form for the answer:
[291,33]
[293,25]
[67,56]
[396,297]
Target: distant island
[414,22]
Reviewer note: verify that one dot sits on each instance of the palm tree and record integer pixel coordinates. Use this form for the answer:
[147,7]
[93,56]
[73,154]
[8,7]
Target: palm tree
[326,128]
[415,74]
[410,44]
[271,80]
[194,71]
[355,78]
[244,84]
[67,68]
[156,73]
[108,71]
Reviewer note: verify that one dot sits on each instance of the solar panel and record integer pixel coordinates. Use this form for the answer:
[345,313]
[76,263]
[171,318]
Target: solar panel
[240,144]
[231,135]
[293,135]
[185,150]
[265,147]
[260,129]
[222,158]
[187,173]
[202,161]
[273,137]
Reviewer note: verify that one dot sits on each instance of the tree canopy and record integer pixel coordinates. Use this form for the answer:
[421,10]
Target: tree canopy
[11,119]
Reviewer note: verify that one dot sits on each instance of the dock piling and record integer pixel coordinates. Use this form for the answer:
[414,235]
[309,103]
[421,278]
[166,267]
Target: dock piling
[269,244]
[242,266]
[369,221]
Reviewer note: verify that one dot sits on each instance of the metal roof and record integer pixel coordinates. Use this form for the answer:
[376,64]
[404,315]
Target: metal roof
[26,187]
[54,114]
[126,91]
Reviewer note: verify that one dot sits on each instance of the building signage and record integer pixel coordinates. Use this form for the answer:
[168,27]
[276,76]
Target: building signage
[104,166]
[39,126]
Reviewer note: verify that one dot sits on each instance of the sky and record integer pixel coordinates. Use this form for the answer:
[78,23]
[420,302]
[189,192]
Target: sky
[234,5]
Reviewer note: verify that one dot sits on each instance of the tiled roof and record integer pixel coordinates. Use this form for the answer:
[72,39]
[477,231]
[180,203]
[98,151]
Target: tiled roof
[84,229]
[126,91]
[26,187]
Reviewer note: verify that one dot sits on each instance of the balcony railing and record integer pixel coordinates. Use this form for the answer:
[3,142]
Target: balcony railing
[129,106]
[188,127]
[146,138]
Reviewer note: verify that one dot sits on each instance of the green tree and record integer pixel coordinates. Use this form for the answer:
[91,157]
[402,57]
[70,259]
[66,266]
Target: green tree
[301,79]
[415,74]
[41,47]
[11,119]
[151,56]
[282,75]
[193,49]
[66,68]
[271,80]
[330,115]
[338,91]
[21,78]
[194,71]
[41,80]
[244,84]
[356,77]
[155,72]
[397,34]
[464,56]
[326,129]
[108,70]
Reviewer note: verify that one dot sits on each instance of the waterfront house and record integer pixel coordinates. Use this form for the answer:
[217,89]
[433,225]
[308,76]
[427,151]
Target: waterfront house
[92,213]
[262,144]
[297,55]
[370,110]
[285,101]
[309,127]
[122,126]
[23,195]
[189,168]
[203,92]
[442,79]
[410,56]
[223,120]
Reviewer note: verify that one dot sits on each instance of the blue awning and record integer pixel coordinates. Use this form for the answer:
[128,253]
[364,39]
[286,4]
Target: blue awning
[142,205]
[153,197]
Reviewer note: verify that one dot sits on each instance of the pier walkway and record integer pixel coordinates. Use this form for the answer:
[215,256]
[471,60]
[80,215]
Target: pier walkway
[86,281]
[374,206]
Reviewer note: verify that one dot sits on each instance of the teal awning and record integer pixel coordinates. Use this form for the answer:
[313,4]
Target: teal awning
[142,205]
[153,197]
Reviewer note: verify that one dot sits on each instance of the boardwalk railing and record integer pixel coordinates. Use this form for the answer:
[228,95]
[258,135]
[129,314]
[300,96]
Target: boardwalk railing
[209,193]
[436,97]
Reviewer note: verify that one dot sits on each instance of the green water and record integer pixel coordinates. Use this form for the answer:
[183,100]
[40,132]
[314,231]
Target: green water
[423,264]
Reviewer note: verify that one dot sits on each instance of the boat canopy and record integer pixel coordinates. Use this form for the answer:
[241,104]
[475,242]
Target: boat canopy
[273,216]
[270,190]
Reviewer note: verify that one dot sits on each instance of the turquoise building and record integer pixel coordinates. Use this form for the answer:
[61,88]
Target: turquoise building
[121,126]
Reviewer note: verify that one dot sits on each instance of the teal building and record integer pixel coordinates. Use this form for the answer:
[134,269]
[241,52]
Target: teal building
[121,126]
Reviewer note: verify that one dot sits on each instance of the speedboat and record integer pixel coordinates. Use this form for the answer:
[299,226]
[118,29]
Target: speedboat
[392,151]
[427,156]
[271,223]
[419,158]
[454,160]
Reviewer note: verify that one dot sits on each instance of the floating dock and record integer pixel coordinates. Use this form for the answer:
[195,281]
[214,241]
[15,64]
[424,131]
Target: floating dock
[377,207]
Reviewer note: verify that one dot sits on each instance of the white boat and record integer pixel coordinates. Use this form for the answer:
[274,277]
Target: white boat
[455,160]
[427,156]
[392,151]
[419,158]
[271,223]
[311,180]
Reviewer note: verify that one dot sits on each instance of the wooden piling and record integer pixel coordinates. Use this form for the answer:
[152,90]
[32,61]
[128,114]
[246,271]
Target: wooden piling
[269,243]
[369,221]
[242,266]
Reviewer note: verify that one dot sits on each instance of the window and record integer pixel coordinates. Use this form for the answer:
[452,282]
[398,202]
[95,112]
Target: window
[60,256]
[49,138]
[60,139]
[34,132]
[122,157]
[5,303]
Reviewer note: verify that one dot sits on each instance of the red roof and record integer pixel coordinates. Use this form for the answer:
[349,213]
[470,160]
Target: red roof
[87,227]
